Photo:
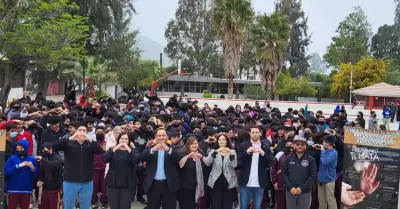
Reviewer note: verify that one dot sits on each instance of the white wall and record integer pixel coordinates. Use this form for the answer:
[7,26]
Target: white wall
[314,99]
[15,93]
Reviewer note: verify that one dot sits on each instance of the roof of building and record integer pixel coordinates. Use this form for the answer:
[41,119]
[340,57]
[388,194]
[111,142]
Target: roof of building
[379,90]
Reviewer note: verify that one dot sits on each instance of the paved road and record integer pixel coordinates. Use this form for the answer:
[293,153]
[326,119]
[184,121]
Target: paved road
[135,205]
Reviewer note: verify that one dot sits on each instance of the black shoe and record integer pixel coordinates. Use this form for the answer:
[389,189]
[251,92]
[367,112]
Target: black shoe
[272,205]
[141,200]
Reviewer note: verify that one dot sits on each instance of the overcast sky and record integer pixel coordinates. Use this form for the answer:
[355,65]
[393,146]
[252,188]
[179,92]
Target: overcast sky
[323,17]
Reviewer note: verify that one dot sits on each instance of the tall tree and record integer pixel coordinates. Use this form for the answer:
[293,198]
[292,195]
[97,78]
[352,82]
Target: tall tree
[368,71]
[109,35]
[248,61]
[317,65]
[40,32]
[98,72]
[352,40]
[230,19]
[270,37]
[291,88]
[142,74]
[191,39]
[299,38]
[397,16]
[385,43]
[106,19]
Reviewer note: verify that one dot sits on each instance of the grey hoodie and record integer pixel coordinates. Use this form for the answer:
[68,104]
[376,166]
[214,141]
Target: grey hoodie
[372,123]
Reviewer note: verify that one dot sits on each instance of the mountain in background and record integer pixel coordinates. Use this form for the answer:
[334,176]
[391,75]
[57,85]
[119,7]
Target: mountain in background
[151,50]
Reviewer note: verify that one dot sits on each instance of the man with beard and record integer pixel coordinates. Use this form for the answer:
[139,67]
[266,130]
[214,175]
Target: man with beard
[300,171]
[254,158]
[277,176]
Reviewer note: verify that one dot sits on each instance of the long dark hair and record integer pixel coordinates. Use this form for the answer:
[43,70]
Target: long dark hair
[243,136]
[228,141]
[121,134]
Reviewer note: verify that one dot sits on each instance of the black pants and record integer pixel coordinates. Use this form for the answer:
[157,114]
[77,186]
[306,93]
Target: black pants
[120,198]
[140,172]
[398,115]
[186,198]
[158,193]
[221,196]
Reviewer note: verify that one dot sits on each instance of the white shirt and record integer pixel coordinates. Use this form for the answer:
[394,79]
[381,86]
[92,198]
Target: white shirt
[92,134]
[253,178]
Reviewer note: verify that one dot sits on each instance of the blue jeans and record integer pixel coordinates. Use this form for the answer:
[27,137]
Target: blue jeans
[246,193]
[81,191]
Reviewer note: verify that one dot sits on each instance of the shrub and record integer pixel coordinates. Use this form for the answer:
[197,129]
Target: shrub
[206,94]
[254,92]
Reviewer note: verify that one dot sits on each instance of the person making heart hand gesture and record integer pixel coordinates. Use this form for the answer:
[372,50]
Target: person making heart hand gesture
[121,177]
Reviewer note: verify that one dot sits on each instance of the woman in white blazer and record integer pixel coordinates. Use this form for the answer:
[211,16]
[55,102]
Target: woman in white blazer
[223,175]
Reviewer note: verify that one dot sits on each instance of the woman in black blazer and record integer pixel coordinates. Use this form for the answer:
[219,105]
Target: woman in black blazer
[192,176]
[121,178]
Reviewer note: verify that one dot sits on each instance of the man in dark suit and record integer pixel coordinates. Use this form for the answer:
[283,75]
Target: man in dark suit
[161,181]
[254,159]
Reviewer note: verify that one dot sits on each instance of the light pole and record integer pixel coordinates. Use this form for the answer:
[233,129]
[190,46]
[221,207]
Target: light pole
[351,83]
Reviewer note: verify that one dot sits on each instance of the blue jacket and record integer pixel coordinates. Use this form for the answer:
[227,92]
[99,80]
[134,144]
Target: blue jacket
[337,109]
[327,166]
[387,113]
[20,180]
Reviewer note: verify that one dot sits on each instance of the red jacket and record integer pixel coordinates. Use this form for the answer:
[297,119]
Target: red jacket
[82,102]
[98,163]
[28,137]
[4,123]
[277,175]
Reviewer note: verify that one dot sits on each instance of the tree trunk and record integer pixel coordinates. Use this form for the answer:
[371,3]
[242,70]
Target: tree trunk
[231,60]
[4,92]
[269,89]
[42,83]
[9,74]
[230,87]
[90,89]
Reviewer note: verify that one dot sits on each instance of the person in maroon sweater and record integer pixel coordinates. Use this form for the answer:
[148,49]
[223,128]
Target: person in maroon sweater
[277,175]
[99,168]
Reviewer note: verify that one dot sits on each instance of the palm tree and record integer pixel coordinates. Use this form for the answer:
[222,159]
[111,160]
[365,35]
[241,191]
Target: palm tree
[97,71]
[271,38]
[230,19]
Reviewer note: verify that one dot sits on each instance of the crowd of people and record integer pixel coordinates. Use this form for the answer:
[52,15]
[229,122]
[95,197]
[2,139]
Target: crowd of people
[92,153]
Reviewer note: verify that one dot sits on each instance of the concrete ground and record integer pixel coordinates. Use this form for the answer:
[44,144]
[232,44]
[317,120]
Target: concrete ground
[135,205]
